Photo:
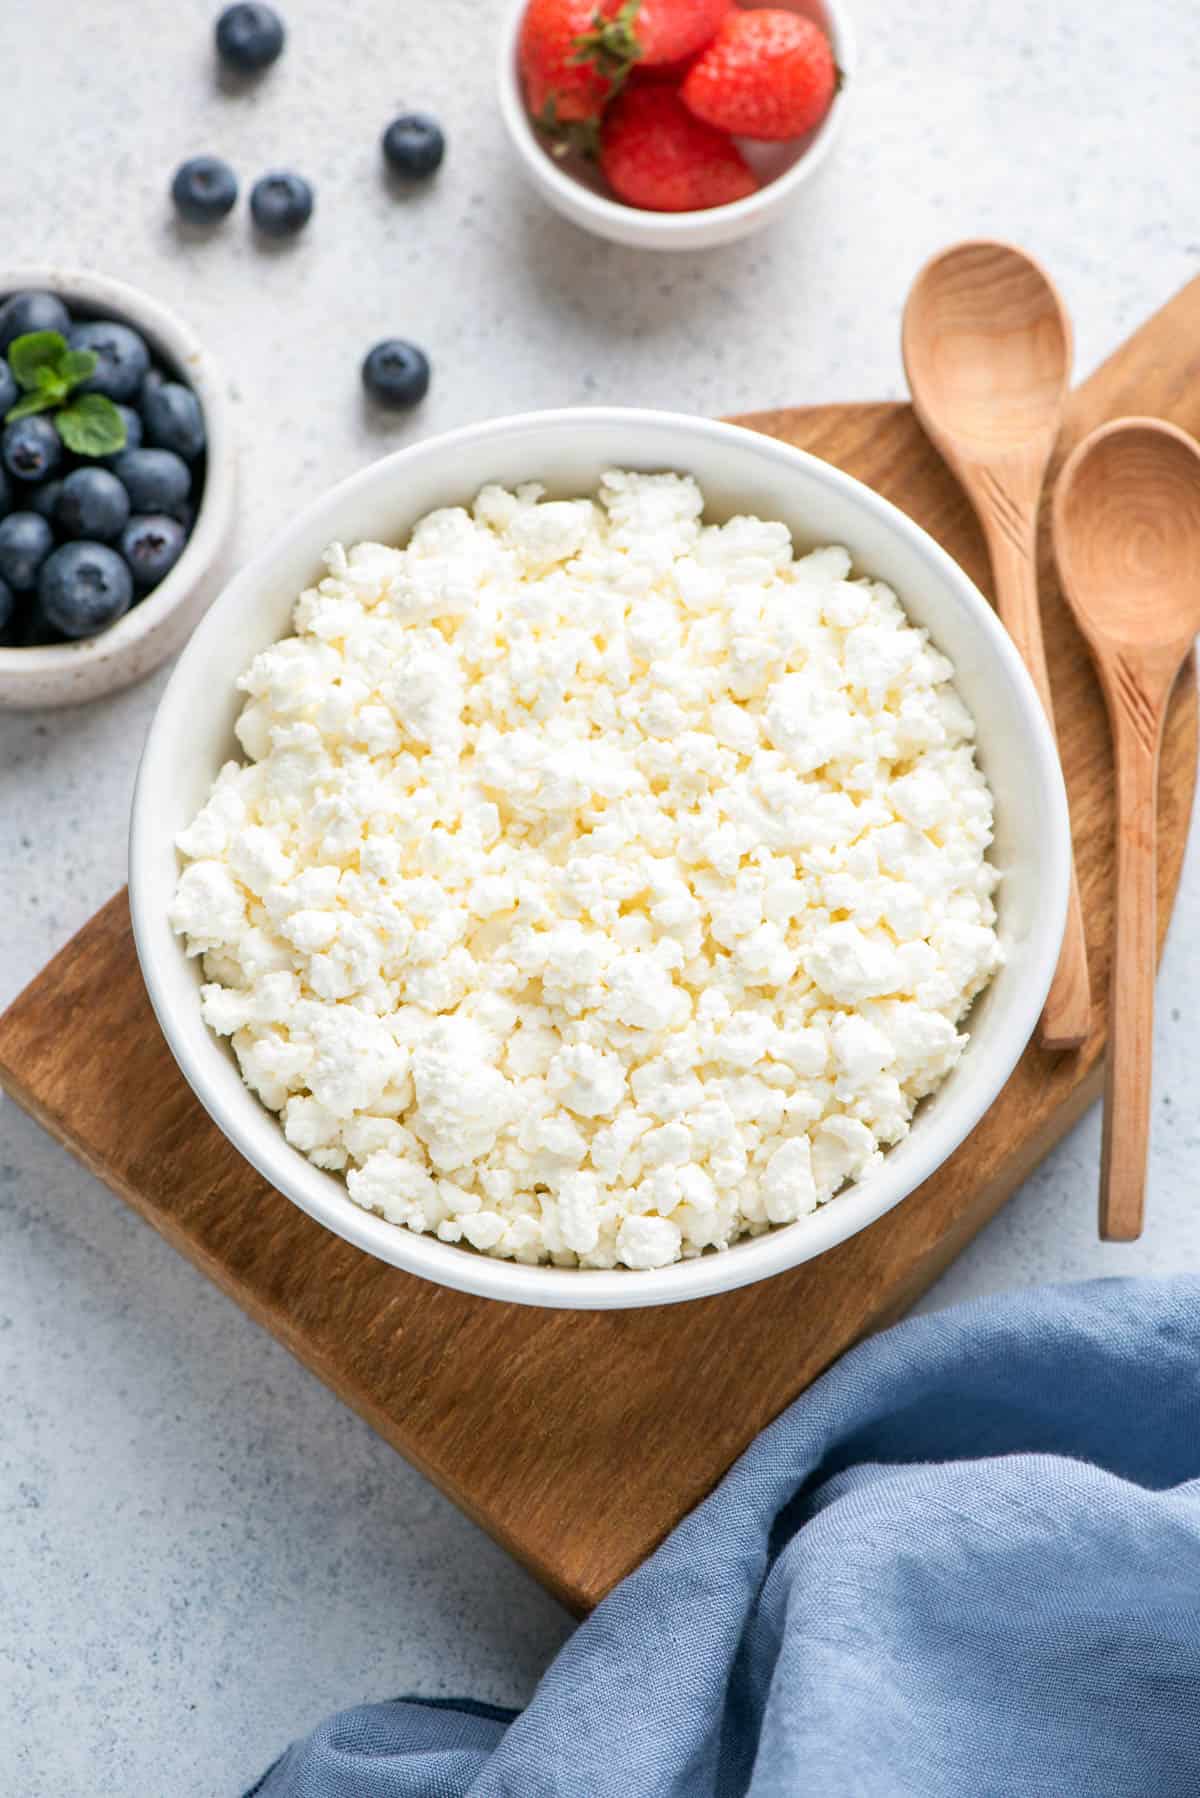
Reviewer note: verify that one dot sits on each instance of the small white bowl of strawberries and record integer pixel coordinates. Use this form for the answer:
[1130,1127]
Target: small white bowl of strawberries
[673,124]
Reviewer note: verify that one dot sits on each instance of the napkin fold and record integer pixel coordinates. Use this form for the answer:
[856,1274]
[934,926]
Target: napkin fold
[965,1563]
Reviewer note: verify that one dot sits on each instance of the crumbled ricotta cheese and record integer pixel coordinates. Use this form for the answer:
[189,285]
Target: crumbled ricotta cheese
[600,886]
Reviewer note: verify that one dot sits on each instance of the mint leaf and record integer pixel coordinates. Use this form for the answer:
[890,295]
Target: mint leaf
[37,349]
[75,366]
[91,426]
[30,402]
[50,385]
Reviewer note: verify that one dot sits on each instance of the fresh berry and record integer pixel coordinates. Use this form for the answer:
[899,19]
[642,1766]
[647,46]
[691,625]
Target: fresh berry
[10,393]
[42,499]
[25,542]
[123,357]
[249,37]
[156,480]
[32,311]
[767,74]
[83,588]
[173,418]
[30,448]
[561,87]
[667,31]
[8,612]
[656,155]
[281,203]
[152,546]
[92,504]
[396,373]
[204,190]
[413,145]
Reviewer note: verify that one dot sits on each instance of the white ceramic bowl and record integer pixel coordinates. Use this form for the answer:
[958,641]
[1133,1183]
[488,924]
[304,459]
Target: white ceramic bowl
[740,471]
[578,192]
[61,674]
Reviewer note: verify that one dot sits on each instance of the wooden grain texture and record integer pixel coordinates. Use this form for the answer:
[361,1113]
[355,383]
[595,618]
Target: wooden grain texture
[987,347]
[579,1439]
[1126,519]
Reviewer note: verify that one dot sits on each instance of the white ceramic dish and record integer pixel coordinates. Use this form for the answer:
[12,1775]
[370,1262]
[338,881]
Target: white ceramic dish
[62,674]
[579,193]
[739,470]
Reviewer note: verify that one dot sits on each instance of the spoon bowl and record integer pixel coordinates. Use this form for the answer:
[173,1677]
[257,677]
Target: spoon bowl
[1127,531]
[988,347]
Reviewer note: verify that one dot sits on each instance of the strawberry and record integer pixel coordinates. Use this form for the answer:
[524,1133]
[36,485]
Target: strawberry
[658,155]
[767,74]
[574,54]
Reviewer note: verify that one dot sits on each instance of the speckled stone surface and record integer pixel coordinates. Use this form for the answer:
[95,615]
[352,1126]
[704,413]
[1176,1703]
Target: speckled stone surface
[202,1551]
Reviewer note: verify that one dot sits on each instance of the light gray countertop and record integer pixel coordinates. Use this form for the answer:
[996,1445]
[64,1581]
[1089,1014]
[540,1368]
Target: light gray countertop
[203,1551]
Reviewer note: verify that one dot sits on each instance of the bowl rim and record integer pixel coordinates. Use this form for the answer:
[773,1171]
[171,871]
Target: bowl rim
[540,1284]
[210,527]
[604,214]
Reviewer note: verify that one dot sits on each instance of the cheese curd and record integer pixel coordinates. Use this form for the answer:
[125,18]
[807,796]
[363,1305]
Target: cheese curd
[599,886]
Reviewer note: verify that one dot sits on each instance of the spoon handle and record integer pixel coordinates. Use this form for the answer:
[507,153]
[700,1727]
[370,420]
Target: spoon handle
[1137,736]
[1066,1017]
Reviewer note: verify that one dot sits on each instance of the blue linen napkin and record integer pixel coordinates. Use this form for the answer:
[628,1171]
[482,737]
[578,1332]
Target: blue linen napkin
[966,1563]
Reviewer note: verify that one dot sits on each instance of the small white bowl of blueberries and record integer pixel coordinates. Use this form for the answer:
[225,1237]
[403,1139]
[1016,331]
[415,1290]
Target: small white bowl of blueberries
[116,485]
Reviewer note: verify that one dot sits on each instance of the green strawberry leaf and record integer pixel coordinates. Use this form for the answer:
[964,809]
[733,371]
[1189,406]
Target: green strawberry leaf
[75,366]
[91,426]
[29,402]
[37,349]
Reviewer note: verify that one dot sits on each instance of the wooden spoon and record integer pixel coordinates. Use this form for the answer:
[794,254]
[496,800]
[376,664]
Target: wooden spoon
[987,348]
[1127,539]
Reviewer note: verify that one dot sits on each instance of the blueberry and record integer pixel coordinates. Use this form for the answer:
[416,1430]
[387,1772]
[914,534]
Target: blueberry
[83,587]
[413,145]
[8,612]
[249,37]
[396,373]
[152,545]
[204,190]
[281,203]
[10,393]
[30,448]
[156,480]
[42,499]
[133,434]
[92,504]
[25,542]
[32,311]
[173,418]
[124,358]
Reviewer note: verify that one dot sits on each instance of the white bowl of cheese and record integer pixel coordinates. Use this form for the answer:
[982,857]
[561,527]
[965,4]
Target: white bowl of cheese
[597,905]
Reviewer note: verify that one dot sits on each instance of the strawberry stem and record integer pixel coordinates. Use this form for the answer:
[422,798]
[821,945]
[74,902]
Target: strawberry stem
[611,46]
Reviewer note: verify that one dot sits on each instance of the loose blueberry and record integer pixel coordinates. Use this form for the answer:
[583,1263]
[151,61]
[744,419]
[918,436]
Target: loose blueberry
[124,358]
[156,480]
[413,145]
[43,499]
[92,504]
[152,546]
[10,393]
[204,190]
[281,203]
[32,311]
[396,373]
[8,611]
[173,418]
[83,588]
[30,448]
[25,542]
[249,37]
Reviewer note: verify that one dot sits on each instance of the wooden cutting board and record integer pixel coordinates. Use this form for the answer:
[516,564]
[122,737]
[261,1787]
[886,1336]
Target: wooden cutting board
[579,1439]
